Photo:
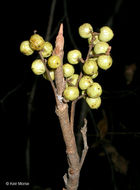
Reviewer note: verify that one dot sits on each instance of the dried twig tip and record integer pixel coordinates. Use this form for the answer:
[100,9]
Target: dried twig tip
[61,29]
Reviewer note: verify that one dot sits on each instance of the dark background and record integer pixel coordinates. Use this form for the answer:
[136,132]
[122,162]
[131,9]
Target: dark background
[120,101]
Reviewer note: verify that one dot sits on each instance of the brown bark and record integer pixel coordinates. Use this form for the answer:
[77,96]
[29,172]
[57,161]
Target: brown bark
[71,179]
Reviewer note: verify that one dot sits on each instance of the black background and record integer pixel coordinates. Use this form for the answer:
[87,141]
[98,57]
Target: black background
[48,159]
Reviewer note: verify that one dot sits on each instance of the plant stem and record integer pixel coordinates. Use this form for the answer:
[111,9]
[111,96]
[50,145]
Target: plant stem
[71,179]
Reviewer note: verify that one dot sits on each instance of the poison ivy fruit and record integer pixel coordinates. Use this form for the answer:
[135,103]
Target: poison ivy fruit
[47,49]
[68,70]
[85,30]
[95,41]
[54,61]
[36,42]
[106,34]
[72,81]
[94,103]
[94,75]
[51,75]
[85,82]
[101,47]
[95,90]
[38,67]
[90,67]
[71,93]
[25,48]
[104,61]
[73,56]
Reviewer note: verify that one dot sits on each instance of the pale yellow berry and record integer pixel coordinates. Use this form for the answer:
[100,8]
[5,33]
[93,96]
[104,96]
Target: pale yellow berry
[51,75]
[73,56]
[85,82]
[94,103]
[104,61]
[54,62]
[90,67]
[47,49]
[72,81]
[71,93]
[101,47]
[85,30]
[95,90]
[106,34]
[68,70]
[36,42]
[25,48]
[38,67]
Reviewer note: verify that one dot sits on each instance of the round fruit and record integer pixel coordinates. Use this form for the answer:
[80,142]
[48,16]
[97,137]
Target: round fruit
[51,75]
[94,103]
[54,61]
[38,67]
[104,61]
[73,56]
[85,30]
[72,81]
[47,49]
[85,82]
[90,67]
[36,42]
[25,48]
[95,90]
[71,93]
[106,34]
[68,70]
[101,47]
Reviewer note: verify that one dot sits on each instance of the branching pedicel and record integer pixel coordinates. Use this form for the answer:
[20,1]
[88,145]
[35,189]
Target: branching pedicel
[70,87]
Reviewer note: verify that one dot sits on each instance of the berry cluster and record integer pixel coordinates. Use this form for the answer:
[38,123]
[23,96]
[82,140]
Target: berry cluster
[98,56]
[76,84]
[37,43]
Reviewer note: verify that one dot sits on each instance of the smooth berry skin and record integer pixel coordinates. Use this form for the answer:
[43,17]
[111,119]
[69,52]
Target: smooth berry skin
[85,30]
[95,90]
[36,42]
[104,61]
[25,48]
[90,67]
[101,47]
[71,93]
[106,34]
[94,103]
[85,82]
[68,70]
[54,62]
[47,49]
[38,67]
[73,56]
